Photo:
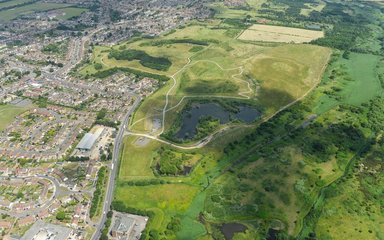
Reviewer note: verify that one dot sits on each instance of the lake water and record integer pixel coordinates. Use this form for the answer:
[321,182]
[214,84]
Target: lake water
[229,229]
[190,118]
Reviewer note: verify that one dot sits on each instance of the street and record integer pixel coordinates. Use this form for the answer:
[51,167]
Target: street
[115,158]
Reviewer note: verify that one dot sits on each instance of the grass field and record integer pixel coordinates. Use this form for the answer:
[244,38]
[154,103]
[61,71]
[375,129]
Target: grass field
[13,13]
[8,114]
[285,74]
[136,160]
[71,12]
[12,3]
[266,33]
[355,81]
[208,78]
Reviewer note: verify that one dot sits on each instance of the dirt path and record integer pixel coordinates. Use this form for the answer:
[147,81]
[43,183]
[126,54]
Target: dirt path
[206,140]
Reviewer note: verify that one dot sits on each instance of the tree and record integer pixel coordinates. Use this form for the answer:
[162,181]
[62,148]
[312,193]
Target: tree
[98,66]
[60,216]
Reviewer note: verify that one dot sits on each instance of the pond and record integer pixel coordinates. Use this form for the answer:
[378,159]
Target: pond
[190,118]
[229,229]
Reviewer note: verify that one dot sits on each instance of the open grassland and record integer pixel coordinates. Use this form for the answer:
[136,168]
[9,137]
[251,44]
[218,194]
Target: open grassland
[353,81]
[170,197]
[8,114]
[136,159]
[225,12]
[267,33]
[208,78]
[13,13]
[7,4]
[285,74]
[71,12]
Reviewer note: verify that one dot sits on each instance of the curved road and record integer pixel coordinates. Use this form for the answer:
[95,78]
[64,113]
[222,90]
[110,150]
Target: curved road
[37,209]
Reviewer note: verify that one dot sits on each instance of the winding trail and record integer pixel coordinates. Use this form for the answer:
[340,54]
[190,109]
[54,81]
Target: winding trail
[207,139]
[242,95]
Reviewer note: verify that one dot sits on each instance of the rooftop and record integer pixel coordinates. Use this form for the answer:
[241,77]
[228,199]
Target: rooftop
[123,224]
[89,139]
[46,231]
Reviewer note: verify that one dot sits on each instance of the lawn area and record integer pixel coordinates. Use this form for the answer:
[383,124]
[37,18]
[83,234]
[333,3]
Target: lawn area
[362,69]
[8,114]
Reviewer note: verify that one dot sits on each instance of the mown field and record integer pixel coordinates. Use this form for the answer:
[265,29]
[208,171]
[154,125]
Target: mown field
[8,114]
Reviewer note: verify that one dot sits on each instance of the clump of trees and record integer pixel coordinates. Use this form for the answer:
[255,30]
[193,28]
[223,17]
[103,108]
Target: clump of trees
[98,194]
[158,63]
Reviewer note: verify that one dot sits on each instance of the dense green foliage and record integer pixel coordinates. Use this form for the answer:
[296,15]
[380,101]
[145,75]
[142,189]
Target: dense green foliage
[98,195]
[184,40]
[111,71]
[158,63]
[171,162]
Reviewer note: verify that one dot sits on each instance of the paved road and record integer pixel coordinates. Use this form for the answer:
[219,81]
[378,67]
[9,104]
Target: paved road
[112,176]
[35,210]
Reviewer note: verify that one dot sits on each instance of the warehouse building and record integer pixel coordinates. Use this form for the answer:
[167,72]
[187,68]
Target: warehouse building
[89,140]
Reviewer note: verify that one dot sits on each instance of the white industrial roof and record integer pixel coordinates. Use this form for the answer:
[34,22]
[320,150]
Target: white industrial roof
[87,141]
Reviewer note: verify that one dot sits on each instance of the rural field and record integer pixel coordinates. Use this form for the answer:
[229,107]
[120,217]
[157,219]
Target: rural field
[267,33]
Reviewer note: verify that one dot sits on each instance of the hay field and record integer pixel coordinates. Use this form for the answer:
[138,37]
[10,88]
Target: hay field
[267,33]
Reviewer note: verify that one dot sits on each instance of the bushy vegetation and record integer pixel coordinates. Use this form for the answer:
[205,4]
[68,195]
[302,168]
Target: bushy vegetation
[59,48]
[171,162]
[158,63]
[98,195]
[101,119]
[173,41]
[111,71]
[356,194]
[77,159]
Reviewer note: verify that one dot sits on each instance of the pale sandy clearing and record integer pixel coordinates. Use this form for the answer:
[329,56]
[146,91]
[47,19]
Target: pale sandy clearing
[267,33]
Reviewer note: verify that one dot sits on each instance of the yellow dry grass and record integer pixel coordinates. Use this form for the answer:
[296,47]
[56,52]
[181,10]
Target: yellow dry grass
[268,33]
